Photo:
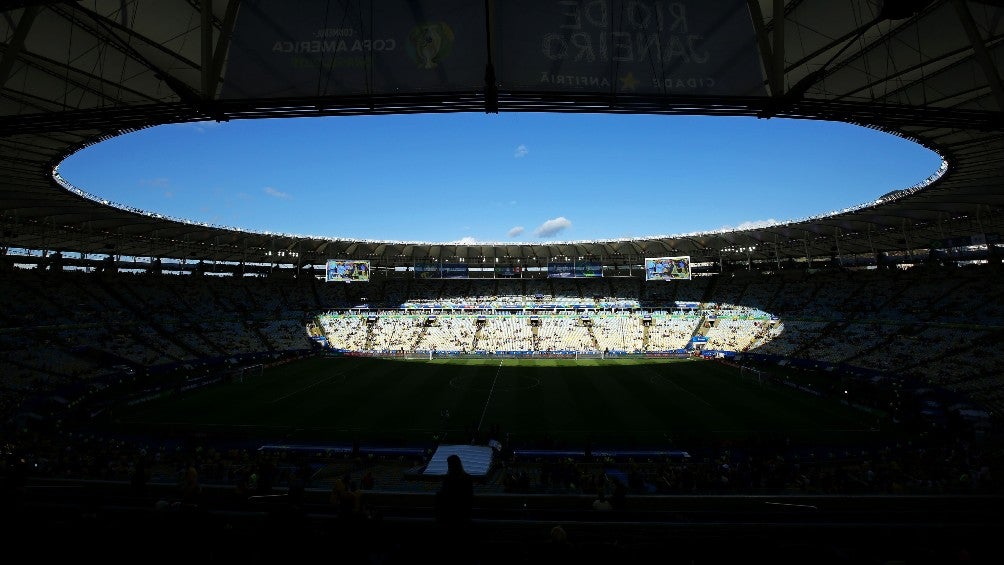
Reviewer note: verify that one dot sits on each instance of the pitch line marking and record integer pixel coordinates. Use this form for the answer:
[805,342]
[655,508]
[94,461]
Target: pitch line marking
[661,381]
[310,386]
[489,399]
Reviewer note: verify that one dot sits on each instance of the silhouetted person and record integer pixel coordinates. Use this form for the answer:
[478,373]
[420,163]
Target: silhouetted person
[191,488]
[453,510]
[620,493]
[601,503]
[556,549]
[456,495]
[368,481]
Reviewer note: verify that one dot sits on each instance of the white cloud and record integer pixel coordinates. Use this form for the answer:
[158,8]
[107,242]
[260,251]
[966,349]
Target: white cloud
[276,193]
[516,231]
[752,225]
[521,151]
[553,226]
[469,240]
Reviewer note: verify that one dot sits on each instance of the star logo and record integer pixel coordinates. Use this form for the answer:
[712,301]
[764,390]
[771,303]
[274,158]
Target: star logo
[628,82]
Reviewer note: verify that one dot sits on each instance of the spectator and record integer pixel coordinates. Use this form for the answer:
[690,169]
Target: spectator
[557,546]
[191,489]
[601,503]
[367,481]
[620,493]
[456,495]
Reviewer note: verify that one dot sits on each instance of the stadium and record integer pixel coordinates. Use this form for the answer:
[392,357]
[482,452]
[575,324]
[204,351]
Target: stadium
[825,389]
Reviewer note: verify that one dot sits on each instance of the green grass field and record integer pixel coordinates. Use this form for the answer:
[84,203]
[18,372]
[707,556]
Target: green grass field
[569,403]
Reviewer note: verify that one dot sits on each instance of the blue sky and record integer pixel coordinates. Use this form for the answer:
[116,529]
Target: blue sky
[510,177]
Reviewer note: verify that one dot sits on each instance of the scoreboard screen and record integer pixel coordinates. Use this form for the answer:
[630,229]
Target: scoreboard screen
[667,268]
[344,270]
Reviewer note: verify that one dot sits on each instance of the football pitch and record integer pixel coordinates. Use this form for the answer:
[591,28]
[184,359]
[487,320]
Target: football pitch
[554,403]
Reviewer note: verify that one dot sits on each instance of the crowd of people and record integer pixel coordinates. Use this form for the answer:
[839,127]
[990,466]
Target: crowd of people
[940,327]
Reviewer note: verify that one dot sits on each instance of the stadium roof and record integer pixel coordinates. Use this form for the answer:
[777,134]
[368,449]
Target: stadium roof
[74,73]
